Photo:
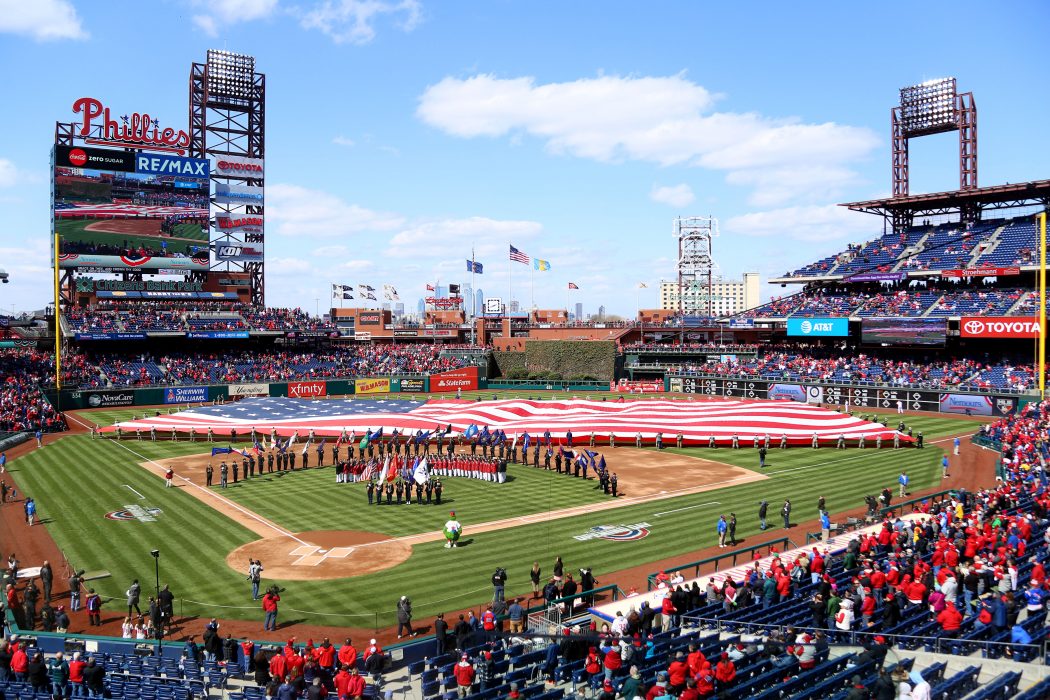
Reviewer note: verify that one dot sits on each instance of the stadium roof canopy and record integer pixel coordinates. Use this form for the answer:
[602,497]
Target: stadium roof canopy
[967,203]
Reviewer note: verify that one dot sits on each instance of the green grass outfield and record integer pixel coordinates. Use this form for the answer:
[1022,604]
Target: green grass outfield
[75,231]
[77,480]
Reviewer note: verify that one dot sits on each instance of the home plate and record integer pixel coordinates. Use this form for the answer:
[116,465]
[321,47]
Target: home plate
[311,555]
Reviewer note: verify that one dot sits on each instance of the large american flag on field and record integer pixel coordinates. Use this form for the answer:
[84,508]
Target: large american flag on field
[696,420]
[130,210]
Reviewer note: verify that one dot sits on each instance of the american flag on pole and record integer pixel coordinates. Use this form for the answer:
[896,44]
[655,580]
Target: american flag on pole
[698,421]
[517,256]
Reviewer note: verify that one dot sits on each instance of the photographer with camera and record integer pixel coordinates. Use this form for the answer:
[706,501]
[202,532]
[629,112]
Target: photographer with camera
[499,583]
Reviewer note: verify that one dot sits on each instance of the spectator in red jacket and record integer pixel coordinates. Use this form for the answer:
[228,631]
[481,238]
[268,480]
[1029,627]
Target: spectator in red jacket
[677,672]
[725,671]
[950,620]
[464,673]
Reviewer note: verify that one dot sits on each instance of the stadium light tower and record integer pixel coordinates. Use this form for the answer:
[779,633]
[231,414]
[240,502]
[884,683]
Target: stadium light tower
[228,118]
[934,107]
[696,263]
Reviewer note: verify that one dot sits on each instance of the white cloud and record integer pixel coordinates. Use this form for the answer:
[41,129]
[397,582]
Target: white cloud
[219,14]
[664,120]
[299,211]
[342,141]
[673,195]
[358,265]
[776,186]
[44,20]
[803,223]
[439,237]
[8,173]
[353,21]
[287,266]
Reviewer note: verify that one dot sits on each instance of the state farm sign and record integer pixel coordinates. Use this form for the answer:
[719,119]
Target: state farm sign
[465,378]
[998,327]
[307,390]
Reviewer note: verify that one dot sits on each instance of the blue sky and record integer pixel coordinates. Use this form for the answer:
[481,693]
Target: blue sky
[402,132]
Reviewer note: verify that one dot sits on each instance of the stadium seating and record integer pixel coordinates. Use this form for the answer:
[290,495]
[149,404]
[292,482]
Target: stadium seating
[986,302]
[1015,245]
[903,303]
[23,407]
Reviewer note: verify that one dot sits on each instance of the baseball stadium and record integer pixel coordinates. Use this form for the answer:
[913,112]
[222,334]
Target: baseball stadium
[836,491]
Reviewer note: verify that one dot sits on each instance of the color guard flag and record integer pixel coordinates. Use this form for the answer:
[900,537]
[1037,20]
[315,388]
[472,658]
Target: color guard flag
[541,265]
[475,267]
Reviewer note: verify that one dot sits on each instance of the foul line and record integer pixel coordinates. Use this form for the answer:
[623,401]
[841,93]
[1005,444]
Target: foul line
[676,510]
[210,494]
[141,497]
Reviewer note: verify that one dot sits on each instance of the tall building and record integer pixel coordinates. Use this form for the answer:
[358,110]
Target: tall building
[479,300]
[422,307]
[468,300]
[728,297]
[399,309]
[441,291]
[514,307]
[579,311]
[601,312]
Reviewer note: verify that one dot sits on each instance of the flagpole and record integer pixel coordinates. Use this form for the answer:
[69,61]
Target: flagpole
[533,293]
[473,296]
[510,279]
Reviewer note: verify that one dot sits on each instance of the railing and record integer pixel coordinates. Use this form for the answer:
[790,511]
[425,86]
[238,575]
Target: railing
[933,498]
[783,542]
[1035,653]
[985,441]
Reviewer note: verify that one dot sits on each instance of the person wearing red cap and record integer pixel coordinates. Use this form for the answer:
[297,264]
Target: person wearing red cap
[464,674]
[608,692]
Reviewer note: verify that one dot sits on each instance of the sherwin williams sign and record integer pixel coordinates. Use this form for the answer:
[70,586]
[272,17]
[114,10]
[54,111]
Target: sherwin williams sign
[816,327]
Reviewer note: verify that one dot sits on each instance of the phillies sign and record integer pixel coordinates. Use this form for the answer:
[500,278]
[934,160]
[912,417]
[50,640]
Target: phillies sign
[135,130]
[998,327]
[307,390]
[465,378]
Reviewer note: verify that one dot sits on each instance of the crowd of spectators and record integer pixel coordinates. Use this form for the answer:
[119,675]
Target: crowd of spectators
[23,406]
[833,365]
[275,319]
[937,299]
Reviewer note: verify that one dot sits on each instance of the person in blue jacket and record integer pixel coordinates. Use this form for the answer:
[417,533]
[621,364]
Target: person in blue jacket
[723,527]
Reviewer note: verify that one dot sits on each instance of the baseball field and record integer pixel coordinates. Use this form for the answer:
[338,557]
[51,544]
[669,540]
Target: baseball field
[343,562]
[186,238]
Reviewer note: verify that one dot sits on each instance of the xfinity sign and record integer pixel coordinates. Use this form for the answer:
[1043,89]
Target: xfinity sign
[818,327]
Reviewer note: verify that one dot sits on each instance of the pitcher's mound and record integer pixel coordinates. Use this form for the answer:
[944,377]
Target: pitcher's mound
[321,554]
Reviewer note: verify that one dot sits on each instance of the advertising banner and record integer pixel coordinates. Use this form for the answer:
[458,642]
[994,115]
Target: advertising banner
[741,323]
[465,378]
[372,386]
[238,194]
[185,394]
[998,327]
[370,318]
[967,404]
[795,392]
[94,158]
[815,394]
[216,335]
[674,385]
[818,327]
[981,272]
[876,277]
[238,225]
[109,336]
[239,166]
[362,335]
[312,334]
[405,333]
[107,399]
[239,252]
[438,333]
[162,164]
[249,389]
[307,390]
[413,385]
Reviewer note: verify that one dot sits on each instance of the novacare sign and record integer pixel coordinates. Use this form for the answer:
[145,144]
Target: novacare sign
[817,327]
